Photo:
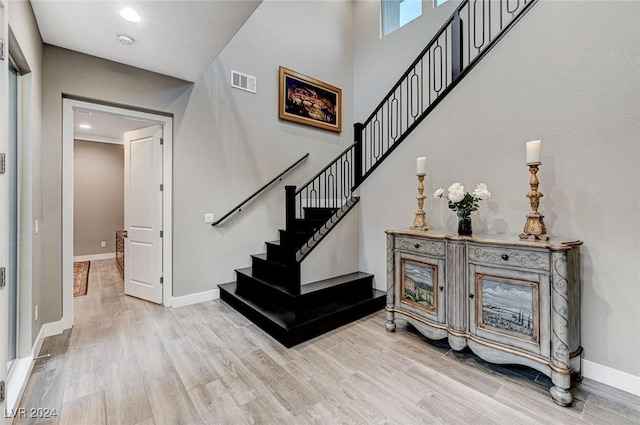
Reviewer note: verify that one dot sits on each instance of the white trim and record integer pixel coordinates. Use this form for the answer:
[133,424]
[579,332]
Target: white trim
[17,380]
[68,106]
[95,257]
[196,298]
[614,378]
[98,139]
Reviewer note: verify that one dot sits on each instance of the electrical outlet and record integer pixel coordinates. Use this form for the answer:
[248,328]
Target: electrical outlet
[35,313]
[103,244]
[209,218]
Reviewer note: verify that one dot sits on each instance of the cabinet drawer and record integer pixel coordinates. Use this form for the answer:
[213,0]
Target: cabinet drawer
[420,246]
[512,257]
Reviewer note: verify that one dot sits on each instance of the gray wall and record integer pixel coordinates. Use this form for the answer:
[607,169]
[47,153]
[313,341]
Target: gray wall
[98,196]
[25,30]
[231,142]
[81,75]
[568,75]
[227,142]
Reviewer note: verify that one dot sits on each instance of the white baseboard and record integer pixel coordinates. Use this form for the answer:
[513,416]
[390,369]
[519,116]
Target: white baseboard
[17,380]
[199,297]
[614,378]
[95,257]
[53,328]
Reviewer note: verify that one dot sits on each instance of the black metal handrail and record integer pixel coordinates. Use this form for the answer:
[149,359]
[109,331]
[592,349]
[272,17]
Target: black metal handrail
[238,207]
[466,37]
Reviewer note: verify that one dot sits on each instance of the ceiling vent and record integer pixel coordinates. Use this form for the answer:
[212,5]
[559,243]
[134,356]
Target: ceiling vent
[243,81]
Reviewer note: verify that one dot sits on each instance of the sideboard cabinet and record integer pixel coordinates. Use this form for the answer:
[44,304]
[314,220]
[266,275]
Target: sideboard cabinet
[510,301]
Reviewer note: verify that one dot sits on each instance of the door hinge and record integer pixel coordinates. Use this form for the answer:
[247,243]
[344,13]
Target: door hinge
[3,49]
[161,233]
[3,390]
[161,280]
[3,163]
[162,140]
[161,187]
[3,277]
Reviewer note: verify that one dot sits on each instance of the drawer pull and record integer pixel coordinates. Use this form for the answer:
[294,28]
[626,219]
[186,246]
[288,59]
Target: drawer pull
[441,288]
[471,296]
[416,246]
[505,257]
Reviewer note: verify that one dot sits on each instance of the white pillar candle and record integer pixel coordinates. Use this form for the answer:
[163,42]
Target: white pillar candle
[533,152]
[421,165]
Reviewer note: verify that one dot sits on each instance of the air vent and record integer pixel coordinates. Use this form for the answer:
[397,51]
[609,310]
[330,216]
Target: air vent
[243,81]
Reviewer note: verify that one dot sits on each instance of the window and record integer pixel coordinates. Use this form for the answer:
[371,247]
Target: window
[437,3]
[397,13]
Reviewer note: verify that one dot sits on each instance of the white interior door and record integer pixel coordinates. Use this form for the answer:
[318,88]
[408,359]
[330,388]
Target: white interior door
[143,213]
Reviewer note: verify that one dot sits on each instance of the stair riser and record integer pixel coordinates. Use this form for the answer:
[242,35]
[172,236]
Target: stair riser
[318,213]
[281,254]
[295,240]
[352,291]
[310,226]
[276,273]
[263,292]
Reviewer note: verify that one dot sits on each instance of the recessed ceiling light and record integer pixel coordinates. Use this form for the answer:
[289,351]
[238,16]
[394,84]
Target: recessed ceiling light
[125,39]
[85,126]
[130,15]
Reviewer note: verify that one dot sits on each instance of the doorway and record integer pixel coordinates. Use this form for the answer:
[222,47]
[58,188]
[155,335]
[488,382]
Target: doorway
[76,110]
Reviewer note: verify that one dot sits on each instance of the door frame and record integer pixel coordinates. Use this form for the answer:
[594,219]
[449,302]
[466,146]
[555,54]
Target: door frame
[166,121]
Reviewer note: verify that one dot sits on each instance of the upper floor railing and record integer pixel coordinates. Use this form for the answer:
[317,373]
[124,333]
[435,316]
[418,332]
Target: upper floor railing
[465,38]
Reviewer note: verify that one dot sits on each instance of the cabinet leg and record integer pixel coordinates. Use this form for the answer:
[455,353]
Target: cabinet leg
[561,396]
[391,324]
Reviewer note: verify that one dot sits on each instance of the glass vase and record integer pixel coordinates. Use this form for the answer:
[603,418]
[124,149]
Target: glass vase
[464,225]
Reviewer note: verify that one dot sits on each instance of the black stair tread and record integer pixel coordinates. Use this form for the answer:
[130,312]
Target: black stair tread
[263,257]
[320,285]
[292,328]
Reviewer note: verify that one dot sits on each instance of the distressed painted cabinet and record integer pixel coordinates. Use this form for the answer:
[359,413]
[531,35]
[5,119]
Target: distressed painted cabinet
[508,300]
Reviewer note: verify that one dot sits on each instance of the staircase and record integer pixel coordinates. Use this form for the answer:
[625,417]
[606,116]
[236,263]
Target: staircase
[269,292]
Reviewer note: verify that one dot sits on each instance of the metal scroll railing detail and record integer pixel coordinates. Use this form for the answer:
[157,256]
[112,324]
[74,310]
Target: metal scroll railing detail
[465,38]
[238,208]
[470,32]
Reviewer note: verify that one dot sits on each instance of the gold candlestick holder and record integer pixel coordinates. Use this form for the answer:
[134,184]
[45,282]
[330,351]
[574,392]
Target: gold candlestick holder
[535,221]
[420,222]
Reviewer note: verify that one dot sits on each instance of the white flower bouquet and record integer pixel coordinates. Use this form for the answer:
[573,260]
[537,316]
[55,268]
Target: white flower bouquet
[463,203]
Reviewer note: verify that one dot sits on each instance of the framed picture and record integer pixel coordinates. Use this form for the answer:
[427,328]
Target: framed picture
[419,281]
[308,101]
[508,306]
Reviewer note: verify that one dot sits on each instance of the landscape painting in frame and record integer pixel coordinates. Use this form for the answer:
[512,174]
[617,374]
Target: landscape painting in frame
[508,306]
[309,101]
[418,283]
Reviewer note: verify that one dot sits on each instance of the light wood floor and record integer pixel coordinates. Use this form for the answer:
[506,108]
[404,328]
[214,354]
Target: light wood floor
[127,361]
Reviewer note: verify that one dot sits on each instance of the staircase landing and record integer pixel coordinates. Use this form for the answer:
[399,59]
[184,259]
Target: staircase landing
[317,313]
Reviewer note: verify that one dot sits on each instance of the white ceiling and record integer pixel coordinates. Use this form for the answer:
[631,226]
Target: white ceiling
[179,38]
[105,127]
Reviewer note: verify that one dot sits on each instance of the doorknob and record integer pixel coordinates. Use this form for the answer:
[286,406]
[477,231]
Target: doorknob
[124,233]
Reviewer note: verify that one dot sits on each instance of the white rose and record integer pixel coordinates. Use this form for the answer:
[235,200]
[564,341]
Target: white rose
[456,195]
[455,187]
[438,193]
[481,192]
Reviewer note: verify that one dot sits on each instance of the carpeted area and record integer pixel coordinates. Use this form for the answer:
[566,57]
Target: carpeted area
[80,278]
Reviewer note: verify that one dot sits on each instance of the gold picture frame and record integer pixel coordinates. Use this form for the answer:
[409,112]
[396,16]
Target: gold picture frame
[306,100]
[508,307]
[420,285]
